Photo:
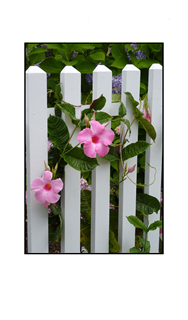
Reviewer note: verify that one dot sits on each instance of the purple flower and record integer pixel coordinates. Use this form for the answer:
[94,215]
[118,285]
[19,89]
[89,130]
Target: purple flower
[50,144]
[139,54]
[116,84]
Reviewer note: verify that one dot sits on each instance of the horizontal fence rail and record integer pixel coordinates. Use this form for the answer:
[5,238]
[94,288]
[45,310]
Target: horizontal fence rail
[36,148]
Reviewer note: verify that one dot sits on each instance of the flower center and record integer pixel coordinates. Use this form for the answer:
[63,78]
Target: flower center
[95,139]
[47,187]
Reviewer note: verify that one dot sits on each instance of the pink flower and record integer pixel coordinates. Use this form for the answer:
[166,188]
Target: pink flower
[96,139]
[47,189]
[131,168]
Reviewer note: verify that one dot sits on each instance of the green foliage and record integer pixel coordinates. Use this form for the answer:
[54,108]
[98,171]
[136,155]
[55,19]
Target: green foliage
[99,103]
[155,225]
[137,223]
[58,132]
[134,149]
[77,159]
[147,204]
[122,110]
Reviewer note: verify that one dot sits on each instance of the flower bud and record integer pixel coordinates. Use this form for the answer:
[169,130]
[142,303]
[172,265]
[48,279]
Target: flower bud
[47,168]
[86,120]
[93,116]
[118,129]
[131,168]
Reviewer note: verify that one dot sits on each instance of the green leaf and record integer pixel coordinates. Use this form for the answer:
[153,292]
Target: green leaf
[86,205]
[129,47]
[127,122]
[69,63]
[122,110]
[135,250]
[54,233]
[133,102]
[119,63]
[86,67]
[77,159]
[112,155]
[98,56]
[54,45]
[114,246]
[145,63]
[118,51]
[51,84]
[133,58]
[147,204]
[149,128]
[36,58]
[58,132]
[56,210]
[69,109]
[145,244]
[102,117]
[99,103]
[37,50]
[137,223]
[134,149]
[30,46]
[155,225]
[51,65]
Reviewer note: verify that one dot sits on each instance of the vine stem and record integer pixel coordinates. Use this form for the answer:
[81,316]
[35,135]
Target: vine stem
[70,137]
[144,185]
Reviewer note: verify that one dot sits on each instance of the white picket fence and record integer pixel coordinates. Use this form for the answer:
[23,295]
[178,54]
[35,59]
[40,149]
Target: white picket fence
[36,148]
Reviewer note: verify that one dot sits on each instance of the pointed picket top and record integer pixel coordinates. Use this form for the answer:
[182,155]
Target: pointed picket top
[155,66]
[130,67]
[101,68]
[69,69]
[35,69]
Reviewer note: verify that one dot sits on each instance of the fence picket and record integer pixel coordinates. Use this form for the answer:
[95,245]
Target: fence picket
[127,190]
[100,196]
[70,80]
[36,150]
[154,152]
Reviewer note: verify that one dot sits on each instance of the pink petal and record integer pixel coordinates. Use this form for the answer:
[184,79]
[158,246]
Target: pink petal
[96,127]
[47,176]
[101,149]
[37,184]
[107,137]
[85,136]
[40,195]
[57,185]
[89,149]
[52,197]
[46,204]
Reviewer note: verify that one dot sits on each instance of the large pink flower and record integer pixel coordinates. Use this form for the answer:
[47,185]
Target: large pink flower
[47,189]
[96,139]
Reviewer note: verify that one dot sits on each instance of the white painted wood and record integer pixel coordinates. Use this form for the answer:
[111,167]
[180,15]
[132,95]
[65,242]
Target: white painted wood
[70,80]
[127,190]
[36,149]
[154,152]
[100,196]
[50,111]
